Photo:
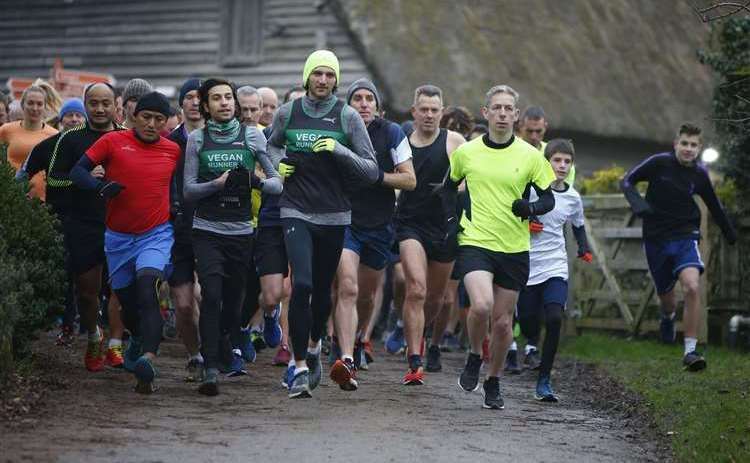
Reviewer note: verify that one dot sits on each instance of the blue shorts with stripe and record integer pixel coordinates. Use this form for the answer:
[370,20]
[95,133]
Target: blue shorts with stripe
[666,259]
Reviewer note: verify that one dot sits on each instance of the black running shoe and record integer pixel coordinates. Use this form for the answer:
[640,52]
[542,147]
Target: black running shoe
[469,379]
[511,362]
[492,398]
[694,361]
[433,359]
[210,384]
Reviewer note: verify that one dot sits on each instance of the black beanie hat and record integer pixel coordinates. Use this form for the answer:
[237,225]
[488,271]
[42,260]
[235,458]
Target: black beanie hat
[154,101]
[188,86]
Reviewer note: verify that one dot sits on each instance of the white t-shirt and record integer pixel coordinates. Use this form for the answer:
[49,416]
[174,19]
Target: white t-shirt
[548,257]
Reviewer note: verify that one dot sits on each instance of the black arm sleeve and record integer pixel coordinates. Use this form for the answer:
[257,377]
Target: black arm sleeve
[639,173]
[583,243]
[81,174]
[545,202]
[708,195]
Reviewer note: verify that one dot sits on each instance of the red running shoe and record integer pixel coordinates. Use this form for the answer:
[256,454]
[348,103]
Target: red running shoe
[343,374]
[414,377]
[282,357]
[114,356]
[369,352]
[94,358]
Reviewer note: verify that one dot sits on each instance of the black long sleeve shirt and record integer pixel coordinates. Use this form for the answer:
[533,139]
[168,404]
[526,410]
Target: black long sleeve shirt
[669,211]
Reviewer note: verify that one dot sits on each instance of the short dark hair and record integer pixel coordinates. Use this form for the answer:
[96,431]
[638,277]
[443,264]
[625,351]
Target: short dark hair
[428,90]
[690,129]
[289,92]
[533,113]
[458,119]
[207,85]
[559,145]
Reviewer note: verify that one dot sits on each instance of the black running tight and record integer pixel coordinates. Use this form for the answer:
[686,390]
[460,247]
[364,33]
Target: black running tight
[552,325]
[313,252]
[140,308]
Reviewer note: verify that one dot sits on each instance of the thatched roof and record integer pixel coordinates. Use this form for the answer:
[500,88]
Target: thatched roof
[608,67]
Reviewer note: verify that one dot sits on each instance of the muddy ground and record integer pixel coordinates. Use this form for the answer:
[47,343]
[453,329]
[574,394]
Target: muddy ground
[66,414]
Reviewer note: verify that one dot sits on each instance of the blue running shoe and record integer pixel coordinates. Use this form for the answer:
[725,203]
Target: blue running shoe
[299,386]
[287,377]
[450,343]
[544,390]
[132,353]
[395,344]
[237,365]
[667,330]
[145,373]
[247,347]
[272,328]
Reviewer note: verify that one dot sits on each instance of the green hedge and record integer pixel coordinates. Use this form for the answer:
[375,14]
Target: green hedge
[32,275]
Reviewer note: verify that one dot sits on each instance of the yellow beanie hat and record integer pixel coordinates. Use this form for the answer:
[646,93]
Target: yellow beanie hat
[320,58]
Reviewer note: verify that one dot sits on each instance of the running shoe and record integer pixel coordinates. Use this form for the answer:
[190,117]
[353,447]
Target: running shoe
[132,353]
[531,360]
[511,362]
[667,329]
[344,373]
[247,347]
[237,365]
[286,379]
[315,371]
[694,361]
[359,357]
[544,392]
[492,398]
[114,356]
[450,343]
[414,377]
[282,357]
[433,359]
[257,339]
[334,350]
[325,345]
[145,373]
[194,371]
[299,387]
[272,328]
[368,351]
[94,357]
[66,337]
[469,379]
[210,384]
[396,343]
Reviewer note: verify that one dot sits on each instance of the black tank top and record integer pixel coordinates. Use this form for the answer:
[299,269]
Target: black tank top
[372,206]
[421,206]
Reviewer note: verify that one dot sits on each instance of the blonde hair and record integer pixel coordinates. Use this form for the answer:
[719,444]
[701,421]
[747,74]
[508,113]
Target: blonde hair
[51,97]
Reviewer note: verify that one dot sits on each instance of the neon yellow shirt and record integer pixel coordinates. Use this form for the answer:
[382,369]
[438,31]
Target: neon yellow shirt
[495,177]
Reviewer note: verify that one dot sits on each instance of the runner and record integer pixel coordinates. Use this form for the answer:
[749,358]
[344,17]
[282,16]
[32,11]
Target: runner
[251,105]
[546,291]
[83,217]
[218,161]
[182,280]
[368,240]
[139,164]
[20,137]
[493,256]
[424,224]
[671,230]
[326,142]
[134,90]
[270,102]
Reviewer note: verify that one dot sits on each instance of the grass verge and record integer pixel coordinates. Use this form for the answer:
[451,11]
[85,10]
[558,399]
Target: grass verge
[706,414]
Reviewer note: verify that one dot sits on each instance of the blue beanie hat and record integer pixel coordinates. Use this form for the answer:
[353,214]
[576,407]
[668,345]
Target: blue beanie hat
[187,87]
[72,105]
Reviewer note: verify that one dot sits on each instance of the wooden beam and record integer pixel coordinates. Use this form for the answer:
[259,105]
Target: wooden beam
[619,233]
[601,260]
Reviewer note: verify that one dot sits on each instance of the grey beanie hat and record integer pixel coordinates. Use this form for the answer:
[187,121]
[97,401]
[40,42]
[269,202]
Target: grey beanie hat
[136,88]
[360,84]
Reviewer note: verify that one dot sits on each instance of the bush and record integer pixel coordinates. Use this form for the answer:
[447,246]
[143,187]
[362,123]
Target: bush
[603,181]
[32,274]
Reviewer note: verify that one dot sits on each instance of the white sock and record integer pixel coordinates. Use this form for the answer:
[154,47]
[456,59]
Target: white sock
[198,357]
[513,346]
[690,345]
[114,342]
[257,328]
[400,323]
[314,350]
[669,315]
[347,357]
[299,370]
[291,363]
[96,335]
[528,348]
[245,330]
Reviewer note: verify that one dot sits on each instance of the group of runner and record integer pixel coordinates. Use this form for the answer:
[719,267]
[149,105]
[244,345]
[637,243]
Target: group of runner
[274,225]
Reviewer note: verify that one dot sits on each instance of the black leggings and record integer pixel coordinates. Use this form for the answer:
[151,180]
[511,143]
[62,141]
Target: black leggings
[313,252]
[552,324]
[222,263]
[140,308]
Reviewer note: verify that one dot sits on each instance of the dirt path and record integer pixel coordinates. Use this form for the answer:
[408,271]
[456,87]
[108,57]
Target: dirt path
[97,418]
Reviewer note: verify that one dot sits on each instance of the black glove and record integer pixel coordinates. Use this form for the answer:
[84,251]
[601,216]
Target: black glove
[109,190]
[238,179]
[176,215]
[522,208]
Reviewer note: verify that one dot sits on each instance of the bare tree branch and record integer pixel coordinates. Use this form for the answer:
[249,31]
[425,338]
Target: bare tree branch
[729,9]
